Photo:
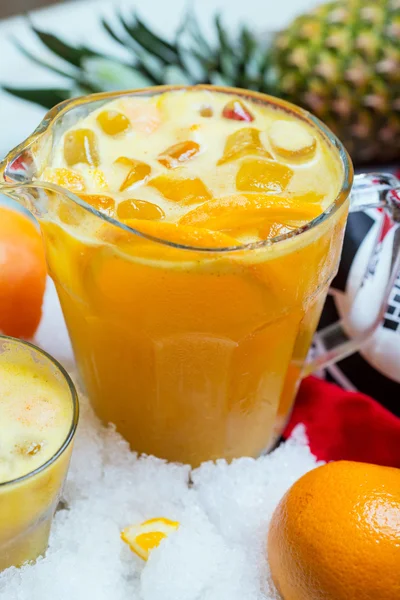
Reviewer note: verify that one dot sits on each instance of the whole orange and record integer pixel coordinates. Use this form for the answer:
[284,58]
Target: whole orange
[22,274]
[335,535]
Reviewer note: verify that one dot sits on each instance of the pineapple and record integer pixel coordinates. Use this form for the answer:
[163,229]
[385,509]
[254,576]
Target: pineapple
[341,61]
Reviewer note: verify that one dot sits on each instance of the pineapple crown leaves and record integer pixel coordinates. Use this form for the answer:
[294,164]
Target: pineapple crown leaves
[152,60]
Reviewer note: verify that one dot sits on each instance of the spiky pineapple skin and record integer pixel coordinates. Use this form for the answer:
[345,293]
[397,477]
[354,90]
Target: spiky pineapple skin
[341,61]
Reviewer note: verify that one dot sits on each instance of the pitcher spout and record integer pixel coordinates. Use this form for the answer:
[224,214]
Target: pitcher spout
[31,196]
[17,179]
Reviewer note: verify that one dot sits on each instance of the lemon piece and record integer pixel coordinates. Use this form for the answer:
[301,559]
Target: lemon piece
[291,140]
[146,536]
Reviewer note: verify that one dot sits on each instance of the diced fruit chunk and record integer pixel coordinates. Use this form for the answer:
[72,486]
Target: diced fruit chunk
[139,209]
[113,122]
[179,153]
[146,536]
[257,175]
[292,140]
[240,211]
[104,204]
[138,171]
[28,448]
[97,179]
[143,116]
[206,111]
[186,190]
[243,142]
[124,161]
[64,178]
[80,146]
[236,110]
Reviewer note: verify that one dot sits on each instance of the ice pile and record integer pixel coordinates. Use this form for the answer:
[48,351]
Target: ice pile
[218,553]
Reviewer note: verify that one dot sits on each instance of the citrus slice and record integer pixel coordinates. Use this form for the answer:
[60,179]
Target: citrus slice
[146,536]
[229,212]
[182,235]
[291,140]
[64,178]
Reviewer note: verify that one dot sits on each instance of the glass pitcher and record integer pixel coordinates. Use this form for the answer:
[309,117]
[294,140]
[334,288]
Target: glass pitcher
[196,353]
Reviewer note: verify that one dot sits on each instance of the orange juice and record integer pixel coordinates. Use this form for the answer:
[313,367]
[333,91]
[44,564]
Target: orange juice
[192,304]
[37,422]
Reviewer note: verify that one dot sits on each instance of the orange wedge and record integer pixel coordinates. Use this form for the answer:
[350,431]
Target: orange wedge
[143,538]
[65,178]
[239,210]
[182,235]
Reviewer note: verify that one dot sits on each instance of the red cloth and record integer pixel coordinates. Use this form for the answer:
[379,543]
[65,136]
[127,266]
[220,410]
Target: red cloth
[346,425]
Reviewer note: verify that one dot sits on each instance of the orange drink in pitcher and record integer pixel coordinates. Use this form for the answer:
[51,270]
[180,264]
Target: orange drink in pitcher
[194,354]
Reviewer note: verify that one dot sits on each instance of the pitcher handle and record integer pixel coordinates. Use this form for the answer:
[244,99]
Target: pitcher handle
[372,190]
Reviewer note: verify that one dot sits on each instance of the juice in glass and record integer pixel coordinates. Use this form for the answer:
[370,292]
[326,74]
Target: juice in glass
[38,415]
[191,303]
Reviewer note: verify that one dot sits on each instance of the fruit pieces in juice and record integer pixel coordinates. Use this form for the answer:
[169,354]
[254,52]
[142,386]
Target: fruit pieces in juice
[144,116]
[242,210]
[139,209]
[257,175]
[80,146]
[96,179]
[113,122]
[206,111]
[292,140]
[237,111]
[104,204]
[185,190]
[138,171]
[243,142]
[65,178]
[173,233]
[178,153]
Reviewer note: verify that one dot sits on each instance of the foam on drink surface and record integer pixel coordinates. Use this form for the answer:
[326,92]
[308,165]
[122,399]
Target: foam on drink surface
[35,416]
[160,158]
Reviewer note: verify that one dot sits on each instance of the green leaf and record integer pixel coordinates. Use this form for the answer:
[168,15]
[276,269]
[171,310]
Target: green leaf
[112,33]
[248,69]
[68,53]
[146,39]
[46,97]
[110,75]
[191,27]
[227,54]
[174,75]
[157,45]
[43,63]
[195,68]
[217,78]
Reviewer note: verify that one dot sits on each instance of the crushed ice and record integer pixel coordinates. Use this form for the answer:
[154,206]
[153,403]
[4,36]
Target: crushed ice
[218,552]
